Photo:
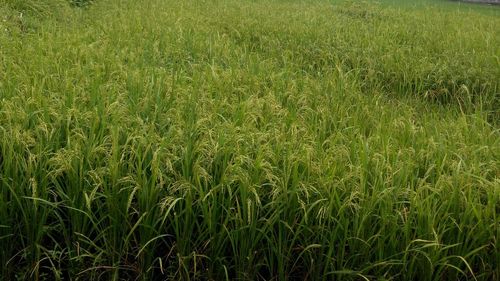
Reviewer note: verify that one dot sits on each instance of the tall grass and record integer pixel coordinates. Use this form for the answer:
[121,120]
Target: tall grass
[264,140]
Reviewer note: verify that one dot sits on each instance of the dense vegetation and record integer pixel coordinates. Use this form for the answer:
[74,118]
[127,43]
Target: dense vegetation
[249,140]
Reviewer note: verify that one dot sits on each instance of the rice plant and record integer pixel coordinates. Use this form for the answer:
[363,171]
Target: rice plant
[249,140]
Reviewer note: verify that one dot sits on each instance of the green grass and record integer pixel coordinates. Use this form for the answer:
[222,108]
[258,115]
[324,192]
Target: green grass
[249,140]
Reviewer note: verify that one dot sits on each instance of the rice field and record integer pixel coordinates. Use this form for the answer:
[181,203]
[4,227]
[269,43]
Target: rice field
[249,140]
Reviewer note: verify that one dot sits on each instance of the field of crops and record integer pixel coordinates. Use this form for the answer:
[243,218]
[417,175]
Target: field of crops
[249,140]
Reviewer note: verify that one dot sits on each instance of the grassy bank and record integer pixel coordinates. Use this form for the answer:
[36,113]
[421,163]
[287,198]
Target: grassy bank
[264,140]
